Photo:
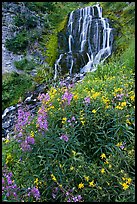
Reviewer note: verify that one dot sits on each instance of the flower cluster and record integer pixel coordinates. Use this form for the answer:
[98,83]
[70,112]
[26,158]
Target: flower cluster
[67,97]
[34,191]
[9,188]
[42,122]
[64,137]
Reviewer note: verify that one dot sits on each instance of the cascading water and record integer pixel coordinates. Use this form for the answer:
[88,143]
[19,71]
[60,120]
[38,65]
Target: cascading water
[87,42]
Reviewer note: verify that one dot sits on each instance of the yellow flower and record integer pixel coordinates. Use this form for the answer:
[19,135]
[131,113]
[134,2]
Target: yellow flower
[106,162]
[110,166]
[32,134]
[128,180]
[95,95]
[6,141]
[36,182]
[86,178]
[53,177]
[75,96]
[74,153]
[119,144]
[64,120]
[102,170]
[119,107]
[103,156]
[128,122]
[71,168]
[125,186]
[132,98]
[123,104]
[81,185]
[9,158]
[92,184]
[94,111]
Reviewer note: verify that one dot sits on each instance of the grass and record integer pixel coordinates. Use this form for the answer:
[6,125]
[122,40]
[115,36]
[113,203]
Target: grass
[80,146]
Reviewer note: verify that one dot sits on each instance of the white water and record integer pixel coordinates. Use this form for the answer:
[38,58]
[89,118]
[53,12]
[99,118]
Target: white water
[81,38]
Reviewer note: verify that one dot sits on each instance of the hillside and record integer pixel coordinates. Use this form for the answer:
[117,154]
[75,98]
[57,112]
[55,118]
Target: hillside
[80,145]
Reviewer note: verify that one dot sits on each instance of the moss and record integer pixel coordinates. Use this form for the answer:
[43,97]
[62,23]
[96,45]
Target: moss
[52,44]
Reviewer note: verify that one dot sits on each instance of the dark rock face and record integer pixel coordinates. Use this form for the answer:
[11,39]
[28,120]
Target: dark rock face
[85,43]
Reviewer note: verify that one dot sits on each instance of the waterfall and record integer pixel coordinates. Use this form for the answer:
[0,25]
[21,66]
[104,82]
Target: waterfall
[89,41]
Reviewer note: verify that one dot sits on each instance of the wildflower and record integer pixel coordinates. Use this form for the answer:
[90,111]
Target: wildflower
[110,166]
[102,170]
[36,182]
[95,95]
[71,168]
[81,185]
[32,134]
[74,153]
[75,96]
[25,146]
[6,141]
[106,162]
[87,100]
[123,104]
[9,158]
[103,156]
[119,107]
[118,144]
[125,186]
[92,184]
[64,120]
[64,137]
[86,178]
[35,192]
[132,98]
[67,97]
[53,177]
[30,140]
[42,119]
[94,111]
[128,122]
[128,180]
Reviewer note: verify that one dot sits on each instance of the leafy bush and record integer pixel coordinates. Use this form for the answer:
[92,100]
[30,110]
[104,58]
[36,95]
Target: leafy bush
[14,87]
[25,64]
[18,43]
[28,21]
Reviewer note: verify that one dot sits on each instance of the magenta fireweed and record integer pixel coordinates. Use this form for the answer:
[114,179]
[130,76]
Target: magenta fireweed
[44,97]
[9,188]
[24,118]
[42,122]
[34,192]
[87,100]
[67,97]
[64,137]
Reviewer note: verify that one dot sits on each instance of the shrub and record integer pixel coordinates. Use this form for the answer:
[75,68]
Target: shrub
[25,64]
[18,43]
[25,20]
[14,87]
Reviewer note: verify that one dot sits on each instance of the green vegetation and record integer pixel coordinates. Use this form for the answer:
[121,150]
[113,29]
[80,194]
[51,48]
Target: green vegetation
[80,146]
[14,86]
[25,64]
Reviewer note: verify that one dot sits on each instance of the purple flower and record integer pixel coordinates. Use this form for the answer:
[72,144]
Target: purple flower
[30,140]
[73,118]
[67,96]
[25,146]
[87,100]
[35,192]
[64,137]
[42,119]
[44,97]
